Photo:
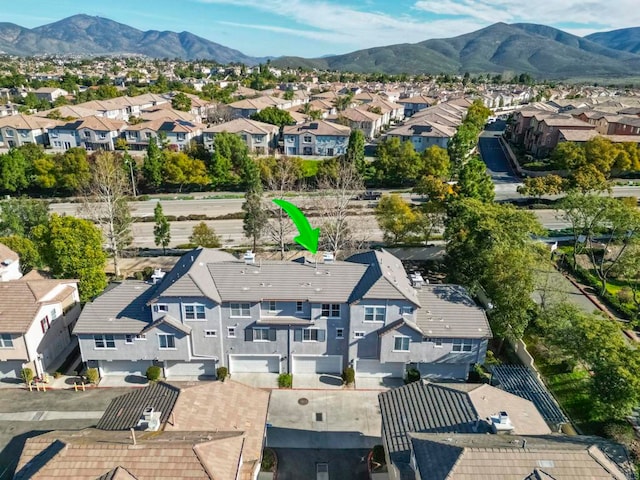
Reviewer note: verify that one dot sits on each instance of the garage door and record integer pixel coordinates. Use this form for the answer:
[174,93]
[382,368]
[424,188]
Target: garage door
[254,363]
[444,371]
[206,368]
[373,368]
[125,367]
[10,369]
[317,364]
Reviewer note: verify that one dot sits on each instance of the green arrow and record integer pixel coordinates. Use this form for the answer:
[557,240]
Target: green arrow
[308,237]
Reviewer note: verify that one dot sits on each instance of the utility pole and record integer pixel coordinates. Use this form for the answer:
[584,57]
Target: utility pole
[129,161]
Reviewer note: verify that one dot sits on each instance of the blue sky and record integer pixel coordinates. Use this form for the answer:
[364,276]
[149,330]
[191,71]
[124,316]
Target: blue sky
[311,28]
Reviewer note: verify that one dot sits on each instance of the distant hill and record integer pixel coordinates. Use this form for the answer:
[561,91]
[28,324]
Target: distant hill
[627,39]
[88,35]
[541,51]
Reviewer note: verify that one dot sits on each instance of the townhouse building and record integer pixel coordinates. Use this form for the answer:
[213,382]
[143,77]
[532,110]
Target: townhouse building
[18,130]
[260,137]
[319,137]
[359,118]
[91,133]
[214,310]
[179,133]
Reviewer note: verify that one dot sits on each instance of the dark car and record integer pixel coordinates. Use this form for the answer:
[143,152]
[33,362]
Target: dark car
[370,195]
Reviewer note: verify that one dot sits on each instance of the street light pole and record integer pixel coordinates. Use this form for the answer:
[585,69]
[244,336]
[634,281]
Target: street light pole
[129,161]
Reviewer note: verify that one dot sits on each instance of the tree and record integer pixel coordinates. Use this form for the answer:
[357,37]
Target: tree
[14,171]
[628,267]
[460,145]
[396,162]
[26,250]
[255,217]
[395,217]
[72,247]
[274,116]
[181,101]
[204,236]
[153,164]
[73,172]
[105,202]
[539,186]
[434,161]
[180,170]
[161,229]
[19,216]
[44,173]
[343,102]
[230,155]
[355,151]
[475,182]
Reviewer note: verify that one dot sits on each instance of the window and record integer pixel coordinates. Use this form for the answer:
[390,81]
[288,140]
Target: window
[306,139]
[5,340]
[260,334]
[462,345]
[141,336]
[103,135]
[258,138]
[160,307]
[210,333]
[299,307]
[272,305]
[406,310]
[44,324]
[437,342]
[339,333]
[147,135]
[53,314]
[9,133]
[401,344]
[180,137]
[53,134]
[358,334]
[240,310]
[104,341]
[331,310]
[128,338]
[231,332]
[310,335]
[374,314]
[194,312]
[87,134]
[166,341]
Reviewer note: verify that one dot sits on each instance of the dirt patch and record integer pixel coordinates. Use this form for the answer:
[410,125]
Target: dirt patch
[128,266]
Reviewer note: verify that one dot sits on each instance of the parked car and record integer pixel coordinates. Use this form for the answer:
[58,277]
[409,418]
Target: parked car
[369,195]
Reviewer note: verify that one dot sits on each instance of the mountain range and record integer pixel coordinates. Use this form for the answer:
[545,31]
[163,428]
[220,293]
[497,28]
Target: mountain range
[539,50]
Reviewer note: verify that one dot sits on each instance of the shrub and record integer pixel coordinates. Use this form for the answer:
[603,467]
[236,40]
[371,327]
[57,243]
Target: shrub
[285,380]
[491,359]
[92,375]
[222,373]
[378,455]
[348,376]
[268,460]
[413,375]
[57,374]
[476,375]
[619,431]
[186,246]
[153,373]
[27,375]
[625,295]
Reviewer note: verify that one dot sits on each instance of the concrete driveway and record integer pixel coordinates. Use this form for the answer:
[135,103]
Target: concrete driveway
[323,419]
[342,464]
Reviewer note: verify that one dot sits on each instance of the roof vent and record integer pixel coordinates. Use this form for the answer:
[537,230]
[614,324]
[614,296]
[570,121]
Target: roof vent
[249,257]
[501,423]
[416,280]
[327,257]
[158,275]
[7,262]
[150,420]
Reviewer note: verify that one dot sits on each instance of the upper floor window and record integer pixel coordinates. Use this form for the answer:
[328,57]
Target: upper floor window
[271,305]
[406,310]
[147,135]
[166,341]
[104,341]
[462,345]
[5,340]
[240,310]
[231,332]
[103,135]
[339,333]
[358,334]
[160,307]
[299,307]
[180,137]
[87,134]
[210,333]
[306,139]
[8,132]
[401,344]
[374,314]
[128,338]
[258,138]
[194,312]
[45,324]
[310,335]
[331,310]
[261,334]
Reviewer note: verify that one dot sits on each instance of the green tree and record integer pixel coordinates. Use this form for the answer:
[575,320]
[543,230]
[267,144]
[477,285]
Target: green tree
[153,164]
[475,182]
[180,170]
[434,161]
[72,247]
[14,171]
[460,145]
[539,186]
[274,116]
[396,162]
[355,152]
[73,172]
[204,236]
[395,218]
[288,94]
[161,229]
[26,250]
[230,155]
[181,101]
[45,173]
[255,217]
[628,269]
[19,216]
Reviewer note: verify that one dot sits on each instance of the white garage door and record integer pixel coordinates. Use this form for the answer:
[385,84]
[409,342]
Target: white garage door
[10,369]
[206,368]
[254,363]
[317,364]
[444,371]
[373,368]
[125,367]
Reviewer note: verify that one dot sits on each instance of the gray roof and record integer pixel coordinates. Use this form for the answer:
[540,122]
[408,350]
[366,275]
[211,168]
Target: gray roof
[121,309]
[385,278]
[503,457]
[520,381]
[449,312]
[171,321]
[190,277]
[124,411]
[397,324]
[423,407]
[293,281]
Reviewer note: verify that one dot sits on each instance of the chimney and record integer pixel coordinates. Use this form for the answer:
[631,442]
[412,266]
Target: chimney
[249,258]
[327,257]
[133,435]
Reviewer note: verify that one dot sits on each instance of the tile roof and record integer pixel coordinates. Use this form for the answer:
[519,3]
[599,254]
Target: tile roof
[171,321]
[28,122]
[507,457]
[20,301]
[73,111]
[121,309]
[7,254]
[117,473]
[449,312]
[319,128]
[101,124]
[125,411]
[241,125]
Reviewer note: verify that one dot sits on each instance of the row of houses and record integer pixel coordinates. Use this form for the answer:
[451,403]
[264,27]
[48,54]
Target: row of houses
[214,310]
